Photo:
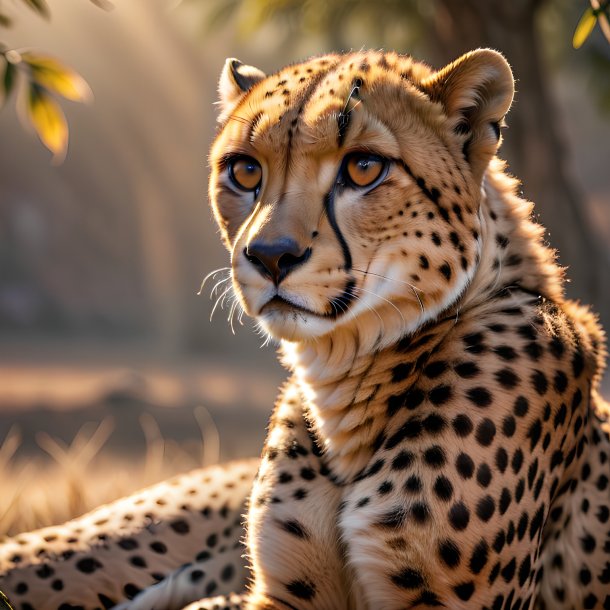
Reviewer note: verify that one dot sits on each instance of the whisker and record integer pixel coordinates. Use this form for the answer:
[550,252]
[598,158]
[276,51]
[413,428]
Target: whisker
[221,296]
[212,274]
[383,299]
[415,289]
[215,288]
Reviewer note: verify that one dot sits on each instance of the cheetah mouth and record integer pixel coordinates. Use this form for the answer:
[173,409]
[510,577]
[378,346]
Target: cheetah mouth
[339,305]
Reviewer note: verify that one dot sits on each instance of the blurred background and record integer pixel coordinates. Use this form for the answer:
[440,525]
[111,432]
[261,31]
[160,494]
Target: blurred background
[111,374]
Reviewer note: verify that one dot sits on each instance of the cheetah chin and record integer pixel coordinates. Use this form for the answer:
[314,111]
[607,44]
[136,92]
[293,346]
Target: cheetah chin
[441,441]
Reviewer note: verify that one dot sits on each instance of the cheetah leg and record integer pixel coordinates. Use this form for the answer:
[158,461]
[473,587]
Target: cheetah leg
[193,581]
[118,550]
[293,541]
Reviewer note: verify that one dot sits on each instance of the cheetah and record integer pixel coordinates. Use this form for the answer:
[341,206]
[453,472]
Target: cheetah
[441,441]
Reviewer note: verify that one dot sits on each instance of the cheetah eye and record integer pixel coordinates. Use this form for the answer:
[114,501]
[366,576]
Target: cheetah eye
[364,169]
[245,173]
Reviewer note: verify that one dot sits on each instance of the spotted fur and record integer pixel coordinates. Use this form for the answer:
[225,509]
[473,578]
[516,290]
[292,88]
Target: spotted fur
[441,441]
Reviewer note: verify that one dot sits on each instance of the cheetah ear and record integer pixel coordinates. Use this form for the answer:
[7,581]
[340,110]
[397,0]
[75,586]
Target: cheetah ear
[235,80]
[476,91]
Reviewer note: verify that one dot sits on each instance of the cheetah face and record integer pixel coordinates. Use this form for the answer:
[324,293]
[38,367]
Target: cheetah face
[347,187]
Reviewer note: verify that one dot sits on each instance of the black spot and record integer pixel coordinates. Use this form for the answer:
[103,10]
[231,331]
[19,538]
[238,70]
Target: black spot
[464,465]
[499,541]
[440,395]
[180,527]
[462,425]
[486,508]
[521,406]
[501,459]
[413,484]
[402,460]
[227,573]
[517,461]
[412,428]
[508,426]
[508,571]
[443,488]
[524,570]
[88,565]
[505,352]
[413,398]
[434,424]
[507,378]
[467,370]
[435,456]
[479,396]
[128,544]
[578,364]
[479,557]
[58,585]
[294,527]
[420,512]
[464,590]
[303,589]
[308,474]
[449,553]
[519,490]
[137,561]
[560,382]
[423,262]
[537,521]
[45,571]
[394,518]
[459,516]
[486,432]
[445,269]
[522,525]
[408,579]
[196,575]
[534,433]
[557,348]
[385,488]
[211,587]
[484,475]
[505,500]
[540,382]
[401,371]
[130,590]
[587,542]
[106,601]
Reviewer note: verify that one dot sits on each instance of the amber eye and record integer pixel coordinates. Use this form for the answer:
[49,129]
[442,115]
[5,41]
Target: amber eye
[245,173]
[364,169]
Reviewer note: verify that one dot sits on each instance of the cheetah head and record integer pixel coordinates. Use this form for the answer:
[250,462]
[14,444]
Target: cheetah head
[347,188]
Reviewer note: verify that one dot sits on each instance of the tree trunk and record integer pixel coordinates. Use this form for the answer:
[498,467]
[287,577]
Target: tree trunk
[533,141]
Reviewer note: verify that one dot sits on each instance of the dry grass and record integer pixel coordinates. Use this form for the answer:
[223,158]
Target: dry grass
[77,477]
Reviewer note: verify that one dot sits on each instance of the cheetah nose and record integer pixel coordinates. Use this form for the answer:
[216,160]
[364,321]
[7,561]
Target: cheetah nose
[277,259]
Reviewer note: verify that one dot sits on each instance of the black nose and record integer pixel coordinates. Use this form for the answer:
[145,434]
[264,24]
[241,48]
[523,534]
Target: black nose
[276,260]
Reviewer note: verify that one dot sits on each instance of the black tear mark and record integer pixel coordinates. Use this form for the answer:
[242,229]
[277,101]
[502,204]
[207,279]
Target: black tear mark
[329,207]
[495,125]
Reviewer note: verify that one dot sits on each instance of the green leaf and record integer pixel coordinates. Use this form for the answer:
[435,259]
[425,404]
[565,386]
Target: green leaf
[56,77]
[48,119]
[8,81]
[584,28]
[39,6]
[4,603]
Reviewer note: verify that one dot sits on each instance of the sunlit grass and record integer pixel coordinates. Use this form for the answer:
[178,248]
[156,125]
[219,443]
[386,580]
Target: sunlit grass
[76,478]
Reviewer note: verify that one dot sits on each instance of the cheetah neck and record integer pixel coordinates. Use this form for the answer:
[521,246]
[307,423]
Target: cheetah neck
[343,374]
